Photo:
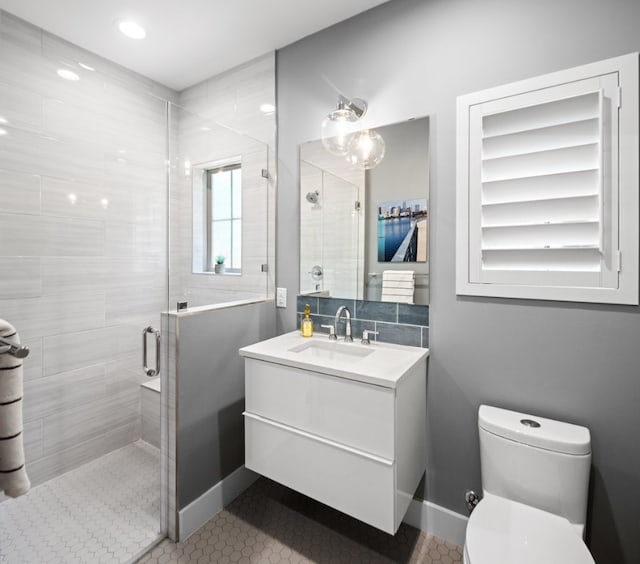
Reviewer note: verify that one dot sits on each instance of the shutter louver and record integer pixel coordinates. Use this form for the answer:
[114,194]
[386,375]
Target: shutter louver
[547,186]
[539,187]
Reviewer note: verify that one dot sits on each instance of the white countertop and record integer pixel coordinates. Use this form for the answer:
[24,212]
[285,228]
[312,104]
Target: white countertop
[386,364]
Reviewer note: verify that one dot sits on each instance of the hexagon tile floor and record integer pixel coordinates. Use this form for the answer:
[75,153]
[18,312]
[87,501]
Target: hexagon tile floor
[106,511]
[271,524]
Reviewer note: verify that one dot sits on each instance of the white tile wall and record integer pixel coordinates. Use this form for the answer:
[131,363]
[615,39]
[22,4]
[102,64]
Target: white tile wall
[218,119]
[331,231]
[83,207]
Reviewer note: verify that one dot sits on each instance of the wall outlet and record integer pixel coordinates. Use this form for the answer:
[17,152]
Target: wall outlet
[281,297]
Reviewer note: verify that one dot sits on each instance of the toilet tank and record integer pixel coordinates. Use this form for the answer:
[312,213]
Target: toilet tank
[536,461]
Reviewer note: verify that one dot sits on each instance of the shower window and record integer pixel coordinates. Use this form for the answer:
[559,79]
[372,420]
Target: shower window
[224,217]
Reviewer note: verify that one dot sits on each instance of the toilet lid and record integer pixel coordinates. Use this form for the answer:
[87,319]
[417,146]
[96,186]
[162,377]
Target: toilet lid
[503,531]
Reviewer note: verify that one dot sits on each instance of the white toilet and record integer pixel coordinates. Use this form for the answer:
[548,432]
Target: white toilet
[535,476]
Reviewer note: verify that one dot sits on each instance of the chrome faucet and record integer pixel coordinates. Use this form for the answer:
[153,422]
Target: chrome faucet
[347,323]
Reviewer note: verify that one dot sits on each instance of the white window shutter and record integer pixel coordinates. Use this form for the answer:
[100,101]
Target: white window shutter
[543,169]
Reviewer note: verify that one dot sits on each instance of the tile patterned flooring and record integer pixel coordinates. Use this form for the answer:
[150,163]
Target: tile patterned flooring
[107,511]
[271,524]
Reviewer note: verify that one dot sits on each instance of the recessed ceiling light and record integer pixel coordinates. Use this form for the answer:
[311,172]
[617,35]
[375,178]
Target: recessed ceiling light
[267,108]
[67,74]
[86,67]
[131,29]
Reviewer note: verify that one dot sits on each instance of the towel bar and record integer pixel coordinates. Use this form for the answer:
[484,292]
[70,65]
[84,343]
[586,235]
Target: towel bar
[12,349]
[376,274]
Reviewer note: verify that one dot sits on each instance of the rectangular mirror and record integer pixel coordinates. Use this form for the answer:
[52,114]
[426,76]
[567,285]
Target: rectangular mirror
[364,233]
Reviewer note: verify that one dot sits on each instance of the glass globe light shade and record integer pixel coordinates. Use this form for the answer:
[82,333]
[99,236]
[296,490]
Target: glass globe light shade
[367,149]
[337,134]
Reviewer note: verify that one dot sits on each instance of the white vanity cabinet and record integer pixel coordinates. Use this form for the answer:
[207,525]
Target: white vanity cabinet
[315,426]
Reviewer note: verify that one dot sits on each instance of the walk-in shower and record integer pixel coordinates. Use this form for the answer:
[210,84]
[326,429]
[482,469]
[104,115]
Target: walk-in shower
[98,224]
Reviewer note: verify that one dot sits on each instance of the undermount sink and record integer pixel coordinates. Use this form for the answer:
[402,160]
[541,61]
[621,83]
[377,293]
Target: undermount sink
[383,364]
[328,350]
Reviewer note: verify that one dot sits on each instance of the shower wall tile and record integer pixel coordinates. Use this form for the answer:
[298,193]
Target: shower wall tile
[137,304]
[123,375]
[150,413]
[63,391]
[52,315]
[76,237]
[71,198]
[19,277]
[19,193]
[24,233]
[128,272]
[71,351]
[89,421]
[34,235]
[32,440]
[20,107]
[57,463]
[135,239]
[70,275]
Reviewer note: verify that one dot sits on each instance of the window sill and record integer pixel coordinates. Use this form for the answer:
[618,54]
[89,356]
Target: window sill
[225,273]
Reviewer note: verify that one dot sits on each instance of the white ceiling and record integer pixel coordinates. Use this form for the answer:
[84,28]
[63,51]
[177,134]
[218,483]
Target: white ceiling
[188,40]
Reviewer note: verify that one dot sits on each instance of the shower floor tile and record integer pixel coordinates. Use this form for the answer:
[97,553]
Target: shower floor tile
[107,511]
[271,524]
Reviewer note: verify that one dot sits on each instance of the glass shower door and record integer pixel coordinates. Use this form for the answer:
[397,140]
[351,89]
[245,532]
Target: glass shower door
[83,268]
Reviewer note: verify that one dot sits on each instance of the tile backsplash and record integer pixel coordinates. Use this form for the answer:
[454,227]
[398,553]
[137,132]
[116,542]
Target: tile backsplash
[403,324]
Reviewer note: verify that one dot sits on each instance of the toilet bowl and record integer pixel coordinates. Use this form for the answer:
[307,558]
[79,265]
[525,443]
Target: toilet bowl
[535,475]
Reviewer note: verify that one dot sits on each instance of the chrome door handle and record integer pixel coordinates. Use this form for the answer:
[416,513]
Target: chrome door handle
[150,371]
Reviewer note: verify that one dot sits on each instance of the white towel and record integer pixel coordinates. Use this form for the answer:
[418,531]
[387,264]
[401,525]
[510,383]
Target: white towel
[398,286]
[13,475]
[398,275]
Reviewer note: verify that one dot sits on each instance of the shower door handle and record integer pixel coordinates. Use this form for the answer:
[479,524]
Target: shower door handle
[150,371]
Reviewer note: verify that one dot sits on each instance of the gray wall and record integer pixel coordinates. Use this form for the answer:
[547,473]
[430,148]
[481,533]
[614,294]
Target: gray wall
[210,389]
[576,362]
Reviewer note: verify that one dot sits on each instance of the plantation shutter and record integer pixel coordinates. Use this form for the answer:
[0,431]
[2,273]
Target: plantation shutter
[542,190]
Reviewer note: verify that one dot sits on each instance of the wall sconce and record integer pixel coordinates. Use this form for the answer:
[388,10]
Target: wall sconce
[340,137]
[338,126]
[367,149]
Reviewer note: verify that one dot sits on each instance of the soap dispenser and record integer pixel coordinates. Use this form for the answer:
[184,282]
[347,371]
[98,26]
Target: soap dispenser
[306,327]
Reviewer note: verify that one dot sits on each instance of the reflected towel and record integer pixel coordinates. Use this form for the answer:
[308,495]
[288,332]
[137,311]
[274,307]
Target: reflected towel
[13,475]
[398,286]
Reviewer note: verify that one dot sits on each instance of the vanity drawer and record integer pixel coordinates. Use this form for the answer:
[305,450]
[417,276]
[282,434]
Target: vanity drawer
[348,412]
[356,483]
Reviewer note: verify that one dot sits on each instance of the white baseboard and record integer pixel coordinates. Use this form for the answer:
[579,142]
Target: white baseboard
[423,515]
[200,510]
[437,520]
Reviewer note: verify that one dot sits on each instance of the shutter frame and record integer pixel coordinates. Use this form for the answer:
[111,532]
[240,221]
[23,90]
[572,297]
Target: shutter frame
[524,136]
